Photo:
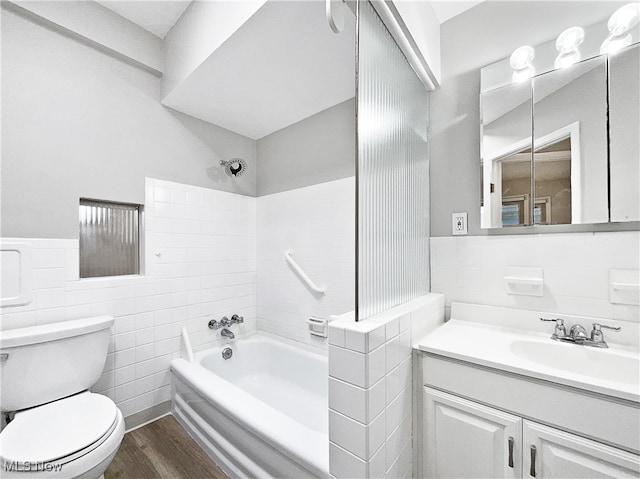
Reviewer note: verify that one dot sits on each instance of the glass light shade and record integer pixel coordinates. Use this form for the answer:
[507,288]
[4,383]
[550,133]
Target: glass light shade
[522,75]
[569,40]
[624,19]
[563,61]
[522,57]
[613,44]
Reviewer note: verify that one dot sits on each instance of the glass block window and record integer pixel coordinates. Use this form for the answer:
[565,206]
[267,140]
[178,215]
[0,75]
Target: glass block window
[109,238]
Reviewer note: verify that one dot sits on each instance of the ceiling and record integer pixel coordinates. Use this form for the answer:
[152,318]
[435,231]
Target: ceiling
[158,17]
[298,68]
[447,9]
[154,16]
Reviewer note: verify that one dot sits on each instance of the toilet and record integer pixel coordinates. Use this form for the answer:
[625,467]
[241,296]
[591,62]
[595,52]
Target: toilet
[55,427]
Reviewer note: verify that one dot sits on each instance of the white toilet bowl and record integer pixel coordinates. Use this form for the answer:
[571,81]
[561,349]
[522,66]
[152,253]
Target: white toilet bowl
[57,428]
[75,437]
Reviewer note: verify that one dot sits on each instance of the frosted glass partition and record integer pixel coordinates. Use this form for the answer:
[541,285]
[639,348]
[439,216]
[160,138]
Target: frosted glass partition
[392,173]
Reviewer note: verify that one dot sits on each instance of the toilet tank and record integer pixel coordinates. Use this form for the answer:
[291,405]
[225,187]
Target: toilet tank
[39,364]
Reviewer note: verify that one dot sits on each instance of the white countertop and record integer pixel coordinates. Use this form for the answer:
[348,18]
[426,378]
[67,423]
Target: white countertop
[613,372]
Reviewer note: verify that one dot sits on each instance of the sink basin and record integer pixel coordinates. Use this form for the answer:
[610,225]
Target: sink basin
[613,372]
[599,364]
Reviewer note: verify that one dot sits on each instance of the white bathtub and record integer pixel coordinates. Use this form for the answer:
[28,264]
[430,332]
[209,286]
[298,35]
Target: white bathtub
[262,413]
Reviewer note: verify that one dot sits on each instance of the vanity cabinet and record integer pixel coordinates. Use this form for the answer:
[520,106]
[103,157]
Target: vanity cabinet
[464,439]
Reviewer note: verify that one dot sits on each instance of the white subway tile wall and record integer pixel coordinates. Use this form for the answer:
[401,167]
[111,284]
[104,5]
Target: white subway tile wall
[200,264]
[318,224]
[370,389]
[576,270]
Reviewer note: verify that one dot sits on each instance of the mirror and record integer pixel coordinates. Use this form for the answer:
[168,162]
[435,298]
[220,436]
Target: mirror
[559,138]
[506,155]
[570,143]
[624,125]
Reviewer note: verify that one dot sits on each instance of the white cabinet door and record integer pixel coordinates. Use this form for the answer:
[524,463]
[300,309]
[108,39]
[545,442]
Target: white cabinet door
[562,455]
[463,439]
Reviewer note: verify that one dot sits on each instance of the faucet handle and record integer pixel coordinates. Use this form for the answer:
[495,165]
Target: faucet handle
[225,322]
[559,321]
[596,334]
[560,331]
[213,324]
[235,319]
[597,326]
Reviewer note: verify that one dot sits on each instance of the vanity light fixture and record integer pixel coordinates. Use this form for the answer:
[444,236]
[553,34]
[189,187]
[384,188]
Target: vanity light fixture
[521,62]
[619,25]
[567,44]
[624,19]
[612,44]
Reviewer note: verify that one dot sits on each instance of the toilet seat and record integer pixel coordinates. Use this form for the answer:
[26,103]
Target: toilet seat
[58,432]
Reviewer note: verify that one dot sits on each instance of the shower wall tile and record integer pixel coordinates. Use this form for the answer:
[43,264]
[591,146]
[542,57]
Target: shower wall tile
[370,427]
[317,223]
[200,264]
[576,269]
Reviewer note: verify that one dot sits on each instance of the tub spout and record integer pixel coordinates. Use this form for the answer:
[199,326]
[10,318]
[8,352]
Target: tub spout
[227,334]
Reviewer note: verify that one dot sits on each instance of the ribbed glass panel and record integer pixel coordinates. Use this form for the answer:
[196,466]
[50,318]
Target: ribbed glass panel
[393,172]
[109,239]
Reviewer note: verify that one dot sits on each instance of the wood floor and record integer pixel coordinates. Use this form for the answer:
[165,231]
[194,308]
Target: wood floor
[161,450]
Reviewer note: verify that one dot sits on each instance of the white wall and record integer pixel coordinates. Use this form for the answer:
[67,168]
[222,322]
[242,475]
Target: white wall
[101,26]
[77,121]
[205,269]
[318,223]
[318,149]
[576,270]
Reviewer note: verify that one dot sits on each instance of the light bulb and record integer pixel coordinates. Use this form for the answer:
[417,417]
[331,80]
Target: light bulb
[522,57]
[624,19]
[563,61]
[522,75]
[569,40]
[614,44]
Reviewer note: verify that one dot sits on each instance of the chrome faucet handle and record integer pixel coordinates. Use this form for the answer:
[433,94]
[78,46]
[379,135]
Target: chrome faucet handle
[597,338]
[213,324]
[225,322]
[560,331]
[235,319]
[597,326]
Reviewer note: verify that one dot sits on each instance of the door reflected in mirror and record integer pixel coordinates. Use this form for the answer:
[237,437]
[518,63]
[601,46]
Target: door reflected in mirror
[552,201]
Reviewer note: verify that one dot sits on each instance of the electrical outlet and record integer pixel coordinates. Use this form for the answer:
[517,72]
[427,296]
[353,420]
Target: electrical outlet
[459,223]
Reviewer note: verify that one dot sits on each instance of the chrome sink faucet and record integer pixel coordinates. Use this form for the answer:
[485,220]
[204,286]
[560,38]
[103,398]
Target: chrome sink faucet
[578,334]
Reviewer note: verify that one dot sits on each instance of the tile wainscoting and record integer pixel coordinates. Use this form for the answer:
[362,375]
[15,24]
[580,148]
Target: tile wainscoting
[201,262]
[576,270]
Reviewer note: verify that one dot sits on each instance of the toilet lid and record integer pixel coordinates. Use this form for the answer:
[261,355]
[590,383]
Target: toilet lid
[58,429]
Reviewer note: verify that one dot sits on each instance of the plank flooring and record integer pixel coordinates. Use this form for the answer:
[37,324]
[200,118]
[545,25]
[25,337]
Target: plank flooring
[161,450]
